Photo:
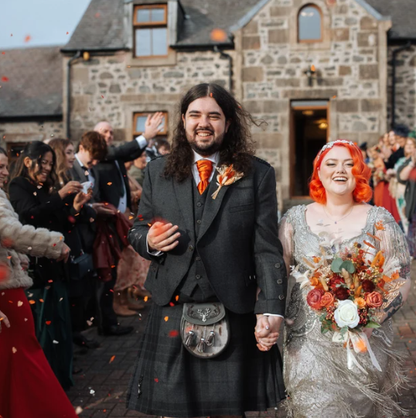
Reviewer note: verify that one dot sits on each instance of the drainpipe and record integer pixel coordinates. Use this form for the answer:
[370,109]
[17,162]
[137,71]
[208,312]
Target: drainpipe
[230,66]
[393,84]
[68,93]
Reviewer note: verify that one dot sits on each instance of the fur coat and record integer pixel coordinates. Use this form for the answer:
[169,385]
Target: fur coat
[16,240]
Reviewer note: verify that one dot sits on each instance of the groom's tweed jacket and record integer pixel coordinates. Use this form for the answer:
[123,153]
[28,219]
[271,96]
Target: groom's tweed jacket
[237,239]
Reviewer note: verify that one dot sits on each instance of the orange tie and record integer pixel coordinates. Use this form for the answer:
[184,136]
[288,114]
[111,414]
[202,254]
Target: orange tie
[205,170]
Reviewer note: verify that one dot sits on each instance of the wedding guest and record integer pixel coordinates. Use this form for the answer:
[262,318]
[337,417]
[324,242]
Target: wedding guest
[35,201]
[397,189]
[23,363]
[321,377]
[80,266]
[163,147]
[407,176]
[400,133]
[136,171]
[114,189]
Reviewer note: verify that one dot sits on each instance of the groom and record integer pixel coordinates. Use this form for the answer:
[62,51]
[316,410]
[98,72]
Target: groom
[205,249]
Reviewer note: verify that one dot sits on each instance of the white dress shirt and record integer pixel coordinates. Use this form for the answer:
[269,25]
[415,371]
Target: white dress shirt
[122,203]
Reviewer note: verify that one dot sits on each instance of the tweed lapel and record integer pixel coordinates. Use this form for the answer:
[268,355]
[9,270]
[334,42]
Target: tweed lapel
[183,193]
[212,206]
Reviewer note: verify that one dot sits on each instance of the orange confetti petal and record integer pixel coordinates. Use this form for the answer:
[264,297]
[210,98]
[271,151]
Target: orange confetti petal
[146,298]
[32,302]
[177,298]
[109,183]
[28,38]
[111,359]
[166,318]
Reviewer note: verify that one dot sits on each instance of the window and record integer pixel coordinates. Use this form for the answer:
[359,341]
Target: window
[150,31]
[139,120]
[310,24]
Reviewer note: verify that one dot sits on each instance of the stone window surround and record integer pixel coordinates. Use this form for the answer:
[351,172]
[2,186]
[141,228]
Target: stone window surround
[164,132]
[172,17]
[149,25]
[325,42]
[141,106]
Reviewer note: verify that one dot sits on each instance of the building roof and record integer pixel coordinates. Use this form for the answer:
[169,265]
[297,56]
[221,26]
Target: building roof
[402,14]
[31,82]
[204,16]
[101,27]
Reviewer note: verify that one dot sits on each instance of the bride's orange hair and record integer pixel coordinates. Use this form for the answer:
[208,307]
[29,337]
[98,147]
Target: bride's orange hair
[361,172]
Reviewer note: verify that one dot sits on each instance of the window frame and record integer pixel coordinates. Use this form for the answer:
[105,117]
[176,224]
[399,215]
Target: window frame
[150,25]
[309,41]
[138,114]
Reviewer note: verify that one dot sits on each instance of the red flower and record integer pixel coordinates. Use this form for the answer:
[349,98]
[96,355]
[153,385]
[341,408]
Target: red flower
[368,286]
[335,282]
[314,298]
[342,293]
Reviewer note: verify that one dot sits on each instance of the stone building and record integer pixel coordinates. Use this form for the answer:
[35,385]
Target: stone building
[314,70]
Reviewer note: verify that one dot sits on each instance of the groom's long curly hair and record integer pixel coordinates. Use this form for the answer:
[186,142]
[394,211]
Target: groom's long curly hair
[237,147]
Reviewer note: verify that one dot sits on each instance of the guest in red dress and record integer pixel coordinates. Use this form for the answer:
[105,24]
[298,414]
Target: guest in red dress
[28,386]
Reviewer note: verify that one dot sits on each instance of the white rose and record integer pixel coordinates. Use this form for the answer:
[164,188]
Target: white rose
[346,314]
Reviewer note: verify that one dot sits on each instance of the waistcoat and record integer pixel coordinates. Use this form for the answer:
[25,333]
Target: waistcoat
[195,284]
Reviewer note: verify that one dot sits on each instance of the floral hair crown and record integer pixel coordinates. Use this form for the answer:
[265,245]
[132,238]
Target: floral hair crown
[332,143]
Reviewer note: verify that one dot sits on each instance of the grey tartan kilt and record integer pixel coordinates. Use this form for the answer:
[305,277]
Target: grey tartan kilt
[169,381]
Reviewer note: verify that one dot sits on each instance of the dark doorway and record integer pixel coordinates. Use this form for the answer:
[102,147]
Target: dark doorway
[309,134]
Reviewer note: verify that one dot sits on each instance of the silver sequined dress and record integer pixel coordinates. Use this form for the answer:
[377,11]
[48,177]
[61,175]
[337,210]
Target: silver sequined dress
[318,382]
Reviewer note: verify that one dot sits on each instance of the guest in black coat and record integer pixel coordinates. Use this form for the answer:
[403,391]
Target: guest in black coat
[35,201]
[112,186]
[80,239]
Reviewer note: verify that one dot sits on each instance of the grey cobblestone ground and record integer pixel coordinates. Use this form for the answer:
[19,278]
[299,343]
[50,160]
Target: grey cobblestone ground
[100,389]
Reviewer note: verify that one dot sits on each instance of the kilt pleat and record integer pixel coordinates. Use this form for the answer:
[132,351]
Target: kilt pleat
[169,381]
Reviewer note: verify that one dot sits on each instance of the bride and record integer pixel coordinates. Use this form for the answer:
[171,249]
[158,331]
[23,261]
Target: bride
[321,377]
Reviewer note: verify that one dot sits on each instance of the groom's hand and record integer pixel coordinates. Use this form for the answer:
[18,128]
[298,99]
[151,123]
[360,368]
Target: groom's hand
[163,236]
[267,331]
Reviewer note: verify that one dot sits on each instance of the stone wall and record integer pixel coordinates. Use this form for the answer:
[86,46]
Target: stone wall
[405,86]
[29,131]
[108,88]
[349,74]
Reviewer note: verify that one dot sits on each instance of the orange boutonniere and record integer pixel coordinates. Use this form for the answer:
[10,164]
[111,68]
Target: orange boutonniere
[227,175]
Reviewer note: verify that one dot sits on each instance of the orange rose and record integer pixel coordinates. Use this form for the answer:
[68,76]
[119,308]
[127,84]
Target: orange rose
[373,299]
[314,281]
[360,302]
[327,300]
[314,298]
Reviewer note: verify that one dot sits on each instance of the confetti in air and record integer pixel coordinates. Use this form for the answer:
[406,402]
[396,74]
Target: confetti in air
[166,318]
[174,333]
[5,79]
[28,38]
[218,35]
[111,359]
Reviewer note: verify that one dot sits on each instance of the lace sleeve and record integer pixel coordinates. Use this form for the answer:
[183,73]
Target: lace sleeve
[397,259]
[286,238]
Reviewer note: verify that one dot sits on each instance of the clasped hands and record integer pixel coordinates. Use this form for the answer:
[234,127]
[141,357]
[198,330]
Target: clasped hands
[267,331]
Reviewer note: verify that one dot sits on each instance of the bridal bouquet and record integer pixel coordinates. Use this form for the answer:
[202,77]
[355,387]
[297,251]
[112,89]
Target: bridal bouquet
[346,292]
